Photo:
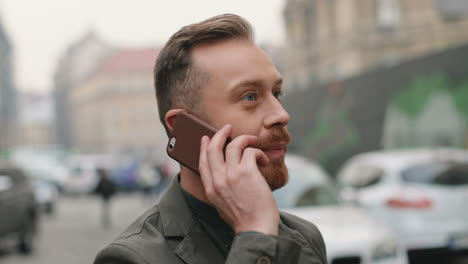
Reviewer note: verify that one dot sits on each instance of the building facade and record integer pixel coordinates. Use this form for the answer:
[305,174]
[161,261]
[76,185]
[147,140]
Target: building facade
[115,110]
[7,93]
[329,40]
[77,63]
[35,119]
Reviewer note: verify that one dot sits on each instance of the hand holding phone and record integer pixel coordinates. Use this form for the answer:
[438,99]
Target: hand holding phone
[235,186]
[245,201]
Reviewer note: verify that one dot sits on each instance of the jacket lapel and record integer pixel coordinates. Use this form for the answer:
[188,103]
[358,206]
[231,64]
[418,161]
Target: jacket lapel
[308,255]
[196,246]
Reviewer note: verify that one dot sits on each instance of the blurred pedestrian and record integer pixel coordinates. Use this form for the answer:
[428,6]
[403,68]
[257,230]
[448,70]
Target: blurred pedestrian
[106,189]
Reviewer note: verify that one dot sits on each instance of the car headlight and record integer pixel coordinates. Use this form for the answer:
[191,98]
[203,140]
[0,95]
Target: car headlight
[385,249]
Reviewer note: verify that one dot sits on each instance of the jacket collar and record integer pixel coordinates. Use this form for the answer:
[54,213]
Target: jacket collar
[307,252]
[176,216]
[196,246]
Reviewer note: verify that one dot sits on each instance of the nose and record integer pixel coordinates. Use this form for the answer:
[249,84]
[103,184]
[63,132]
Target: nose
[277,116]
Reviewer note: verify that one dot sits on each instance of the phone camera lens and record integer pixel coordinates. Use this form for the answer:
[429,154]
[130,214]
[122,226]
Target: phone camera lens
[172,143]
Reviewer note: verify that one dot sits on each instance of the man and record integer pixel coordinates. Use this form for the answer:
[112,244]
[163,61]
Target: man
[227,214]
[106,189]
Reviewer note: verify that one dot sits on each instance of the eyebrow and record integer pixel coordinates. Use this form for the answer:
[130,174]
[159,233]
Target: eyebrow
[254,83]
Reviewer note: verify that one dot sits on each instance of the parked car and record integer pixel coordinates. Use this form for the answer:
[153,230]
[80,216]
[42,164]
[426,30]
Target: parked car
[46,195]
[422,194]
[351,235]
[45,163]
[46,191]
[18,208]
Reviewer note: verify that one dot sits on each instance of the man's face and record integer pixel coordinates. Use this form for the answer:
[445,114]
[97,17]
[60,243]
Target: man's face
[244,89]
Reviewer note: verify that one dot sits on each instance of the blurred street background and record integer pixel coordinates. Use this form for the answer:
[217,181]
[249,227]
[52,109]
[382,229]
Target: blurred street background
[377,91]
[74,233]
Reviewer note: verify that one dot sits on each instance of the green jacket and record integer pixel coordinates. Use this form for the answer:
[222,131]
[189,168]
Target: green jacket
[168,234]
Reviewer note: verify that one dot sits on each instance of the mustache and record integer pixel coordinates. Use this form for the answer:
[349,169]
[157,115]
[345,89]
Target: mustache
[280,135]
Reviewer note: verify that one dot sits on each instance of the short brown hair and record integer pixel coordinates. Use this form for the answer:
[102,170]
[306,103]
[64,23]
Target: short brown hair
[177,81]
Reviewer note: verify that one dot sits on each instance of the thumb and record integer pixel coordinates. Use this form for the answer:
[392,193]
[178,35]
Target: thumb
[256,157]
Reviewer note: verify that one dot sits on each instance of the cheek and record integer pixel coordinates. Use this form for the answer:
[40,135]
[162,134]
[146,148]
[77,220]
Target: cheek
[246,126]
[243,122]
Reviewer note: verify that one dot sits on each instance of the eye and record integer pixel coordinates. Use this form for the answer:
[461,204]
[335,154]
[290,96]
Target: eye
[277,94]
[250,97]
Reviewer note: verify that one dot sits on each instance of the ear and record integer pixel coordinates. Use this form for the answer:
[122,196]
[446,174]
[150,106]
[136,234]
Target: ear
[171,116]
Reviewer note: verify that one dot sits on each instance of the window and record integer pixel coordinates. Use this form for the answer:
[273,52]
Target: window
[388,13]
[309,26]
[441,173]
[14,174]
[452,9]
[5,182]
[363,176]
[321,195]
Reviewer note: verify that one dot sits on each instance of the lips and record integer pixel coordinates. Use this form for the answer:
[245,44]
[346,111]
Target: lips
[274,144]
[275,151]
[275,147]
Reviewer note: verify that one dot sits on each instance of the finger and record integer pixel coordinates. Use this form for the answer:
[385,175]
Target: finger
[254,157]
[204,168]
[235,148]
[215,147]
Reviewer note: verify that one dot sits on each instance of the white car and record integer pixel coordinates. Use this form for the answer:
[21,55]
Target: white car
[83,173]
[351,235]
[46,195]
[422,194]
[43,162]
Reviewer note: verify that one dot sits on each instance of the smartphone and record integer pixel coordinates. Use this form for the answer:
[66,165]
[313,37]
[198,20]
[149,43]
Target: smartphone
[185,140]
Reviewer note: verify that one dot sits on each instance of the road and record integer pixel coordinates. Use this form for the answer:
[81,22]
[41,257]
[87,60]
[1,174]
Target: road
[74,233]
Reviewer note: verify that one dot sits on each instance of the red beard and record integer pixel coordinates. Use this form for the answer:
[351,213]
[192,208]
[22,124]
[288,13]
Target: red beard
[275,173]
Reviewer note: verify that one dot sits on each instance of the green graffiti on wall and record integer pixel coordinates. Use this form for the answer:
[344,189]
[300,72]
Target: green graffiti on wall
[432,110]
[460,98]
[5,153]
[332,134]
[413,99]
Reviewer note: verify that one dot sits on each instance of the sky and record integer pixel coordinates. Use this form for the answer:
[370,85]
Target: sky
[41,30]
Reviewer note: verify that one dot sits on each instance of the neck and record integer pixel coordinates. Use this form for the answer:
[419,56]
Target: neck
[191,183]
